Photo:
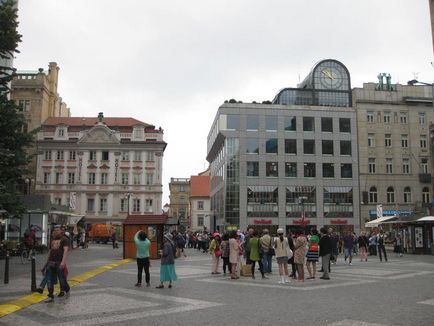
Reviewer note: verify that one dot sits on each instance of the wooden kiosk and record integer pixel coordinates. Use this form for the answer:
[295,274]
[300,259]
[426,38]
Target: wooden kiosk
[153,225]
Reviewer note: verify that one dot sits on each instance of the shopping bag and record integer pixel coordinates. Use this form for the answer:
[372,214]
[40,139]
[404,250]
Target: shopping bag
[246,270]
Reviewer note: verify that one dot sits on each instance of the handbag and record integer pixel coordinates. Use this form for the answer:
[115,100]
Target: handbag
[246,269]
[290,253]
[218,252]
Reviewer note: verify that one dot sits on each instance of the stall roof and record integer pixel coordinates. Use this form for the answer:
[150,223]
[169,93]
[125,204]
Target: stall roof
[426,219]
[145,219]
[380,220]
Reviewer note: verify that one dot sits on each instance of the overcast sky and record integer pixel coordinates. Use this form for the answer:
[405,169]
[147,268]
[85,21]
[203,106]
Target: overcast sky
[172,63]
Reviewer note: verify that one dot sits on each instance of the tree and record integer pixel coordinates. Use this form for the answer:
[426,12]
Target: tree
[13,141]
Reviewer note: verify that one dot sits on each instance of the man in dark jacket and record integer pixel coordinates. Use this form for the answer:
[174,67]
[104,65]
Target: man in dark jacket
[325,250]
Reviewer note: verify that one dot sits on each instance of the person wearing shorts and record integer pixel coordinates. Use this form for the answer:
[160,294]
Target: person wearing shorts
[348,246]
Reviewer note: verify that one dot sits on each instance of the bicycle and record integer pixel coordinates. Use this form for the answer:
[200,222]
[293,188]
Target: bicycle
[26,254]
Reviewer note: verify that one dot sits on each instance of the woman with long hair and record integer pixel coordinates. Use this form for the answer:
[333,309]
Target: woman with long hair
[225,252]
[363,246]
[215,252]
[234,252]
[300,254]
[254,256]
[312,256]
[281,248]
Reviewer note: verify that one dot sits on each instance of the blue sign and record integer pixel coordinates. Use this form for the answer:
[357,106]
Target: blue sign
[391,212]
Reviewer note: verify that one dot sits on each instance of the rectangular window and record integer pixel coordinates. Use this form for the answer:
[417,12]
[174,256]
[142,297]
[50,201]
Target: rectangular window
[105,156]
[388,140]
[47,177]
[371,140]
[423,141]
[389,166]
[137,156]
[309,146]
[290,170]
[309,170]
[290,146]
[403,117]
[124,204]
[200,205]
[91,178]
[327,147]
[345,147]
[405,166]
[24,105]
[58,201]
[308,124]
[103,204]
[370,117]
[404,141]
[136,205]
[149,179]
[200,219]
[271,146]
[233,122]
[327,124]
[60,155]
[72,155]
[104,178]
[125,156]
[421,118]
[47,155]
[270,123]
[344,125]
[253,169]
[61,132]
[424,165]
[150,156]
[71,178]
[252,146]
[137,179]
[148,205]
[290,124]
[387,117]
[59,178]
[271,169]
[328,170]
[92,155]
[346,170]
[124,178]
[90,204]
[252,122]
[371,165]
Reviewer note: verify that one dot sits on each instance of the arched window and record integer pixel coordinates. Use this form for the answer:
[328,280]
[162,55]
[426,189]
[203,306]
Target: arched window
[425,195]
[407,195]
[373,195]
[390,195]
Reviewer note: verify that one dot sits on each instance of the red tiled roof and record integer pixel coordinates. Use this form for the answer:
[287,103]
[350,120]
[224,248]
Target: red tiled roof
[88,121]
[200,186]
[145,219]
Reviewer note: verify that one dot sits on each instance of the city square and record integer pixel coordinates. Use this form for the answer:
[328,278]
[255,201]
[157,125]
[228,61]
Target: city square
[399,292]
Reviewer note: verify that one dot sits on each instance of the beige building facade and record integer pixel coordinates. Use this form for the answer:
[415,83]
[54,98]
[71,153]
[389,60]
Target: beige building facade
[394,144]
[104,169]
[179,198]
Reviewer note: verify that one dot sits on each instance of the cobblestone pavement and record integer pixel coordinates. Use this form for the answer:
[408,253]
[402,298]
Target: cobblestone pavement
[399,292]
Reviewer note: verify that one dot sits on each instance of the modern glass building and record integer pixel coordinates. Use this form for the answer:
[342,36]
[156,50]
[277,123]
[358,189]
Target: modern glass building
[292,163]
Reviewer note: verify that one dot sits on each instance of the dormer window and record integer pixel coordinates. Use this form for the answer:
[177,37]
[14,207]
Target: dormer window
[61,132]
[138,133]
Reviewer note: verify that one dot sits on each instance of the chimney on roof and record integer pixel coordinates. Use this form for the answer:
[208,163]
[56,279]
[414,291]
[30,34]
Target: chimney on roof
[100,116]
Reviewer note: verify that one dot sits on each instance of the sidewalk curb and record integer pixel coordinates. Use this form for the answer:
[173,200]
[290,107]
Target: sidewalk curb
[31,299]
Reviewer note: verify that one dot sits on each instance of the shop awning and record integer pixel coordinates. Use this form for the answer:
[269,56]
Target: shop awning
[426,219]
[340,190]
[380,220]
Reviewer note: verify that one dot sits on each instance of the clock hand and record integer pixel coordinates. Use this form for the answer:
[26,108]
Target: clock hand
[328,73]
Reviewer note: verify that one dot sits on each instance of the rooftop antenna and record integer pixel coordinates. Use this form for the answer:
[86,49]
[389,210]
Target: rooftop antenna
[415,75]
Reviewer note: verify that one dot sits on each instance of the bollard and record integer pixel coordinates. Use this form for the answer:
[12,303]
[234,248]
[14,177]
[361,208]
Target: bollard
[33,286]
[6,279]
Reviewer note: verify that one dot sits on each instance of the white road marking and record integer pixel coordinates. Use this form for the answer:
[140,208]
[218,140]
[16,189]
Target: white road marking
[429,302]
[350,322]
[288,286]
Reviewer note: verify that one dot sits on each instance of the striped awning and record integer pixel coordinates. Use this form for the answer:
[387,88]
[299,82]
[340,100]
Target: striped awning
[262,188]
[340,190]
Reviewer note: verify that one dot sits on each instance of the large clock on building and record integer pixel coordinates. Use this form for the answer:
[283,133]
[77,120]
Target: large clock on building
[331,74]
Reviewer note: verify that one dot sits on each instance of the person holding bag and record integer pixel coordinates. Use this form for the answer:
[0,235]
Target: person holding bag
[254,245]
[215,251]
[282,252]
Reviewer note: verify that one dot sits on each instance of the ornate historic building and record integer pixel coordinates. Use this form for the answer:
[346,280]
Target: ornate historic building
[103,168]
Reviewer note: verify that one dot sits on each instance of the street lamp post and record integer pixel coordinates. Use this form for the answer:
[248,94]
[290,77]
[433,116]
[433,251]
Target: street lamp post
[301,201]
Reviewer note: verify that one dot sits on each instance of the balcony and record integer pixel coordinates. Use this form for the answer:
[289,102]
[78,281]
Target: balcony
[424,177]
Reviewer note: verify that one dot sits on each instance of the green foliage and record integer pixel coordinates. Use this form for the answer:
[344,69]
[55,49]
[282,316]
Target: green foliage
[13,142]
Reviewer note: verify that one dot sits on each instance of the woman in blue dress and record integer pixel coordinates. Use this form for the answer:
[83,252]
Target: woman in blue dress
[167,269]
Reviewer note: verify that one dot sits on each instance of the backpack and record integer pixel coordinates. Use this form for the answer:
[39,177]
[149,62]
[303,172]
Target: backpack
[180,240]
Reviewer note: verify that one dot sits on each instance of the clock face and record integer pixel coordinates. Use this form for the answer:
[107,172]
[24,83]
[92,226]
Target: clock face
[331,77]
